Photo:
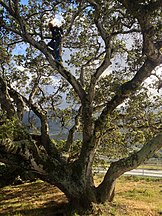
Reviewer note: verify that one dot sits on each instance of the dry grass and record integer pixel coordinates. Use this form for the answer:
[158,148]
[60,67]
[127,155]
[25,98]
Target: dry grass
[34,199]
[134,197]
[138,197]
[151,166]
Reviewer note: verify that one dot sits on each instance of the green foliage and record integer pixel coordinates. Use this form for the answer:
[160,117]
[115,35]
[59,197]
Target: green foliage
[60,144]
[11,128]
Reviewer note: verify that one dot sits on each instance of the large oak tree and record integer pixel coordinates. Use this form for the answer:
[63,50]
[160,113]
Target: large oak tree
[109,49]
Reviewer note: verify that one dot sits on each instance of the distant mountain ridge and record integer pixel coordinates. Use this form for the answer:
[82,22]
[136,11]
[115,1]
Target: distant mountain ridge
[56,130]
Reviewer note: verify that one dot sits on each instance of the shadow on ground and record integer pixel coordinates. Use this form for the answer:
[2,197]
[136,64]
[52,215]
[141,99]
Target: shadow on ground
[59,210]
[33,199]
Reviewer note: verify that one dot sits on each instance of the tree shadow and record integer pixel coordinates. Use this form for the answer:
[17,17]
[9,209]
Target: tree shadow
[55,210]
[33,199]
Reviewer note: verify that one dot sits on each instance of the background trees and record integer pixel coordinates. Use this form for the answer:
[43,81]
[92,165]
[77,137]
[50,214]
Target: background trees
[110,48]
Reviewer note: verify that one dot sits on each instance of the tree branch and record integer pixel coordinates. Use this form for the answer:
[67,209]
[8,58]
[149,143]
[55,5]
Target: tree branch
[68,76]
[16,5]
[76,14]
[70,138]
[125,91]
[5,99]
[34,89]
[20,105]
[95,57]
[24,149]
[26,155]
[121,166]
[107,40]
[93,3]
[126,32]
[45,139]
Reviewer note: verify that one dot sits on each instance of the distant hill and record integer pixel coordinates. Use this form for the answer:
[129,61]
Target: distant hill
[56,130]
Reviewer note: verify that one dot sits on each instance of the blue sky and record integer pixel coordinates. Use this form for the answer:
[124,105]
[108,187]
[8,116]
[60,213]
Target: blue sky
[24,1]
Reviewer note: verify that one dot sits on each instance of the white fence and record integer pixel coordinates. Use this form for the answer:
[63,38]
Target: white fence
[145,172]
[135,172]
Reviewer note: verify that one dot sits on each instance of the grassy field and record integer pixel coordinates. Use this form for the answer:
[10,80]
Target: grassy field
[134,197]
[151,166]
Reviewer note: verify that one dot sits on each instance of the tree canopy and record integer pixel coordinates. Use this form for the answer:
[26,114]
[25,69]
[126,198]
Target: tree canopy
[110,79]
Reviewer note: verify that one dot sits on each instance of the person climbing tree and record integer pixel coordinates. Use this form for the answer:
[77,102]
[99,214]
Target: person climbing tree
[55,43]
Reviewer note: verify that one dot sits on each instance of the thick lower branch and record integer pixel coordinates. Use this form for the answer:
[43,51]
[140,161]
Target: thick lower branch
[25,150]
[126,164]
